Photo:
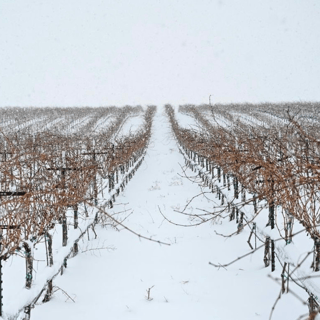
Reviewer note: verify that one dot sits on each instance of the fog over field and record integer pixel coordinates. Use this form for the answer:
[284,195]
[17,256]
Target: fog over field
[116,52]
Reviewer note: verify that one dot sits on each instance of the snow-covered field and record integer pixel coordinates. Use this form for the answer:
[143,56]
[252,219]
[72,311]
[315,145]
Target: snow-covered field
[113,274]
[187,121]
[131,125]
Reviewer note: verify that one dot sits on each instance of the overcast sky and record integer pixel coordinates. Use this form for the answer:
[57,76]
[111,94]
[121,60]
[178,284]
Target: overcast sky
[116,52]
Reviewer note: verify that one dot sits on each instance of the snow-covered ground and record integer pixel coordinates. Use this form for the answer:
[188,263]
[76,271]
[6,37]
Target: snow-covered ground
[187,121]
[248,119]
[104,123]
[112,282]
[131,125]
[220,121]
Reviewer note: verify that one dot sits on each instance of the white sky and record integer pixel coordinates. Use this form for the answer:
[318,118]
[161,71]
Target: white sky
[115,52]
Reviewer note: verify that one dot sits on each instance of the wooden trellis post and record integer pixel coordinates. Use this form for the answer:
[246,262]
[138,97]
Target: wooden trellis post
[316,255]
[75,248]
[75,216]
[283,278]
[1,288]
[313,307]
[273,257]
[232,214]
[288,227]
[236,187]
[64,231]
[29,264]
[27,313]
[266,258]
[212,170]
[243,194]
[255,203]
[117,175]
[48,238]
[271,221]
[240,224]
[111,181]
[49,292]
[271,217]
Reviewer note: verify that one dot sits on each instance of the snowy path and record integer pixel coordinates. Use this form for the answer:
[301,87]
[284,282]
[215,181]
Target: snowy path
[112,284]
